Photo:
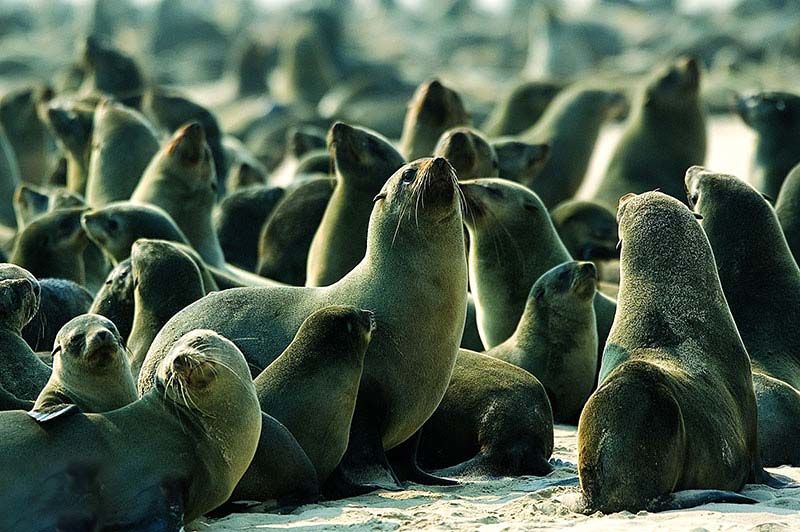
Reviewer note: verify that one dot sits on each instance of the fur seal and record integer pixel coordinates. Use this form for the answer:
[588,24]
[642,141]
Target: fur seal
[494,419]
[156,264]
[469,152]
[243,175]
[322,367]
[123,143]
[90,368]
[571,126]
[775,118]
[300,141]
[22,374]
[675,409]
[208,423]
[665,134]
[417,328]
[521,108]
[111,72]
[286,237]
[52,246]
[519,161]
[556,339]
[71,125]
[116,226]
[512,243]
[114,300]
[9,179]
[787,208]
[761,281]
[27,134]
[433,110]
[363,161]
[31,202]
[60,301]
[180,179]
[587,229]
[238,221]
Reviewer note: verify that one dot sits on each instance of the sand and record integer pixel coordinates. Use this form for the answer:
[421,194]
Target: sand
[527,503]
[522,503]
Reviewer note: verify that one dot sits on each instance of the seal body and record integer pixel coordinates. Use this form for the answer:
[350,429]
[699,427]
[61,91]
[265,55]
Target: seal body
[675,408]
[761,281]
[419,328]
[665,134]
[556,339]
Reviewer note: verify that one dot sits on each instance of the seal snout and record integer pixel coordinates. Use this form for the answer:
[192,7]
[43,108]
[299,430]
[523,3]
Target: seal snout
[189,142]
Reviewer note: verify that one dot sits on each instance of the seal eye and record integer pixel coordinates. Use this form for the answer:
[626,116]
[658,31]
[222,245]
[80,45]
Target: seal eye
[56,350]
[408,176]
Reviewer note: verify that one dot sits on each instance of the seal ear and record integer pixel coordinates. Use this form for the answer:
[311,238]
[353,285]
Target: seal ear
[697,215]
[769,198]
[379,196]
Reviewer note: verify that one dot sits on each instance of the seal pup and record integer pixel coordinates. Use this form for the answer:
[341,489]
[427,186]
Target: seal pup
[494,419]
[156,265]
[206,423]
[323,367]
[71,124]
[52,246]
[114,300]
[181,180]
[675,408]
[556,339]
[587,229]
[469,152]
[238,220]
[521,108]
[419,326]
[363,160]
[787,207]
[22,374]
[761,281]
[123,143]
[665,134]
[570,126]
[519,161]
[286,237]
[60,301]
[90,368]
[116,226]
[433,109]
[512,243]
[775,118]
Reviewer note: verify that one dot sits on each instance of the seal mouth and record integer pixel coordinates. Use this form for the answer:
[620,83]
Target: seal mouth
[437,181]
[585,278]
[101,355]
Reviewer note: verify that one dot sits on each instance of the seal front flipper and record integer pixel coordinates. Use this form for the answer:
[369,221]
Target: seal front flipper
[681,500]
[364,466]
[49,413]
[403,459]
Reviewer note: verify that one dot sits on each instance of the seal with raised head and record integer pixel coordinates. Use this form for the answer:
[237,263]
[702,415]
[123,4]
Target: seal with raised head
[761,281]
[111,71]
[556,339]
[322,369]
[469,152]
[571,126]
[433,110]
[114,300]
[181,180]
[22,374]
[588,229]
[123,143]
[512,243]
[675,408]
[665,134]
[494,419]
[363,161]
[104,471]
[116,226]
[419,326]
[775,118]
[71,123]
[165,281]
[521,108]
[90,369]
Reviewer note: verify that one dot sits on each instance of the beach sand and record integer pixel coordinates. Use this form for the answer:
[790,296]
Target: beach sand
[528,503]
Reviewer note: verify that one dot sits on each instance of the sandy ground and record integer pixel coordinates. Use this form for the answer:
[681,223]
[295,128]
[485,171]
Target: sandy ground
[523,503]
[527,503]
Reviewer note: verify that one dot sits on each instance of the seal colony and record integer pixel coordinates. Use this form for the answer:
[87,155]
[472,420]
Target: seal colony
[330,280]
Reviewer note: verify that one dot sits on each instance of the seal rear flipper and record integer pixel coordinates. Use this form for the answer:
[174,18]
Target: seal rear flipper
[403,460]
[681,500]
[43,415]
